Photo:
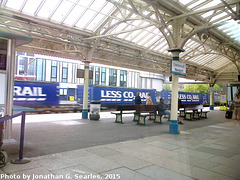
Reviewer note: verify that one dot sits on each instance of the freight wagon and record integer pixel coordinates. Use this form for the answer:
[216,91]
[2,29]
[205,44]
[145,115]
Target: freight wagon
[35,94]
[191,98]
[112,96]
[39,94]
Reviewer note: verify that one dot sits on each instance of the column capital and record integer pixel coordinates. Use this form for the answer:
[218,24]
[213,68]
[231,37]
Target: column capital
[176,50]
[175,53]
[87,62]
[211,84]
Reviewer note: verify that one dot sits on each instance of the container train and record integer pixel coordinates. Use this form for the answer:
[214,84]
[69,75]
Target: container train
[191,98]
[47,94]
[39,94]
[112,96]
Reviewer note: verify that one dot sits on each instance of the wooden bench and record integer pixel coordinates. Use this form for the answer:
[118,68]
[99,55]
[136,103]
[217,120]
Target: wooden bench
[143,111]
[124,109]
[192,111]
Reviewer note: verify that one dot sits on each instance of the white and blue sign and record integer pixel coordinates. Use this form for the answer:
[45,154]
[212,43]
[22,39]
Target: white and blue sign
[178,68]
[35,94]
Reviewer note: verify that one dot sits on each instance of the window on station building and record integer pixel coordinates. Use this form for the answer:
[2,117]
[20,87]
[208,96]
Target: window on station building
[41,69]
[103,76]
[22,65]
[112,77]
[90,82]
[25,68]
[97,75]
[20,53]
[3,62]
[30,54]
[54,71]
[64,72]
[31,66]
[123,78]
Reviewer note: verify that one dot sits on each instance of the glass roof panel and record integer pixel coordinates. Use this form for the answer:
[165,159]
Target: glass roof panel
[121,27]
[122,35]
[231,29]
[108,8]
[85,3]
[218,16]
[85,18]
[48,8]
[90,14]
[224,19]
[95,21]
[97,5]
[139,36]
[133,35]
[62,10]
[31,6]
[196,4]
[75,13]
[184,2]
[209,13]
[14,4]
[153,39]
[210,4]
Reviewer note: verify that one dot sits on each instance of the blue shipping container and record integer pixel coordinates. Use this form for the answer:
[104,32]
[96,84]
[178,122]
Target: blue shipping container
[36,94]
[186,97]
[110,96]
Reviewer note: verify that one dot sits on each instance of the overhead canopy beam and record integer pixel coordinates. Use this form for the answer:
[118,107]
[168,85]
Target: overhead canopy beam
[121,32]
[203,10]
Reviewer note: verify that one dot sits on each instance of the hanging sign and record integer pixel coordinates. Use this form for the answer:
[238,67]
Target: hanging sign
[178,68]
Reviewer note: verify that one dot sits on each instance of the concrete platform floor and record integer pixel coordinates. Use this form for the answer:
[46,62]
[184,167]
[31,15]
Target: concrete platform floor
[66,147]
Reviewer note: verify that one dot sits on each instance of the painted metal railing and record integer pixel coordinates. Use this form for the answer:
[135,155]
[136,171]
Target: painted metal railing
[20,159]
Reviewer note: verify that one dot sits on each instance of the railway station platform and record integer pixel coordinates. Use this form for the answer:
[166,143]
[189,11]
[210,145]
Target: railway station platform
[62,146]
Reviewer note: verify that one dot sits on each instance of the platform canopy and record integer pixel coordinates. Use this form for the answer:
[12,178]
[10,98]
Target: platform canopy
[134,34]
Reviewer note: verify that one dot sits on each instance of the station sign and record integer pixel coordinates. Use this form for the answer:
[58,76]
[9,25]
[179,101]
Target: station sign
[178,68]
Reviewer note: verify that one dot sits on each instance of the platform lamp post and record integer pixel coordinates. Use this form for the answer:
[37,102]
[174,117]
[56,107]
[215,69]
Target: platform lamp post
[176,70]
[85,91]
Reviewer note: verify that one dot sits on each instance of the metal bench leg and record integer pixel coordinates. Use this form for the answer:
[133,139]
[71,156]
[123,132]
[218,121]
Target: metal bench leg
[136,117]
[158,119]
[118,118]
[141,120]
[152,117]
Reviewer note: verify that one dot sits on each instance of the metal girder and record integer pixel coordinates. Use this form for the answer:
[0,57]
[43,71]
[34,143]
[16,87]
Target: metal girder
[72,44]
[60,40]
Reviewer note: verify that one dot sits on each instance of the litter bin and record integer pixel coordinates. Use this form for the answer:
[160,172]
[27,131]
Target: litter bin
[95,110]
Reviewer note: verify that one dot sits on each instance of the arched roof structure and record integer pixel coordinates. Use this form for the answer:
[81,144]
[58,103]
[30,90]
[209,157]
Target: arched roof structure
[133,33]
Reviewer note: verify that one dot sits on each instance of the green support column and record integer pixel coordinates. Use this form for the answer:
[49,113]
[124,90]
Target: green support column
[85,92]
